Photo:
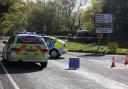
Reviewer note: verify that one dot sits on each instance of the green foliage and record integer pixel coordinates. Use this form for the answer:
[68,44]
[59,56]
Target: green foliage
[89,20]
[13,18]
[119,9]
[88,15]
[79,47]
[56,15]
[122,51]
[34,18]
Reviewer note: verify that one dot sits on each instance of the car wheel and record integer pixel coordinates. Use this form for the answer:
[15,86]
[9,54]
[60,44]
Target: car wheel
[43,64]
[54,53]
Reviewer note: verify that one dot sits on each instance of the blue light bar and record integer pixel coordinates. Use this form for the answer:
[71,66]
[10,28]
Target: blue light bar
[31,33]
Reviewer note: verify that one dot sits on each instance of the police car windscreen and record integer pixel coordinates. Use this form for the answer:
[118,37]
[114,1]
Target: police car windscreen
[30,40]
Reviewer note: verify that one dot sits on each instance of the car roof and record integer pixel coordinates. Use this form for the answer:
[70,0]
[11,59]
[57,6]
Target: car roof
[50,37]
[30,35]
[55,38]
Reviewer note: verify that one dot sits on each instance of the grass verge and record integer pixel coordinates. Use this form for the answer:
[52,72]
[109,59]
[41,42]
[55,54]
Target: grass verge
[92,48]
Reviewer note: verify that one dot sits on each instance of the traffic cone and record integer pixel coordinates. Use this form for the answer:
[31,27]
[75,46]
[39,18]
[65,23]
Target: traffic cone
[113,62]
[126,60]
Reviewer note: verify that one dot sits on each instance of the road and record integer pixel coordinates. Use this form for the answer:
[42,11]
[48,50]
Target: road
[94,73]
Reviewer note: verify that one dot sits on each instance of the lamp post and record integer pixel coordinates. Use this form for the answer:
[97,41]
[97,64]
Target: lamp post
[44,29]
[44,25]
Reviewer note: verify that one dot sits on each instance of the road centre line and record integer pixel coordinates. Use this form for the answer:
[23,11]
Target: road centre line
[9,77]
[105,82]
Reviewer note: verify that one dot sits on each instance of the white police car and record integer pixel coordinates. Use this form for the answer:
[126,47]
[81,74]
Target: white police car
[26,47]
[56,46]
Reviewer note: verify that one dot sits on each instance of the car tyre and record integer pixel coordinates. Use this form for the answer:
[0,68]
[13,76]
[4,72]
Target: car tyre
[54,53]
[43,64]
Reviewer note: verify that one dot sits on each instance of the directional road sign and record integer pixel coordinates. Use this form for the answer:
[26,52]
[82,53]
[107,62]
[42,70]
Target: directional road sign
[104,30]
[104,23]
[104,18]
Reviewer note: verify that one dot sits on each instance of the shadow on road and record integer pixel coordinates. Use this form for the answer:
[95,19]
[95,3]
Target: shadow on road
[21,67]
[92,55]
[60,58]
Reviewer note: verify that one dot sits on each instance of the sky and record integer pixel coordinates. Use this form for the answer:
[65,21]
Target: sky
[84,5]
[87,4]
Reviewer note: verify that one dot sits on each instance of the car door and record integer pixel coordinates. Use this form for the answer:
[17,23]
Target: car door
[6,48]
[50,42]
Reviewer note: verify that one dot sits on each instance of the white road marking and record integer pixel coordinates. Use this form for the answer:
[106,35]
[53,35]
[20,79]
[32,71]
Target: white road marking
[105,82]
[121,67]
[9,77]
[1,87]
[108,60]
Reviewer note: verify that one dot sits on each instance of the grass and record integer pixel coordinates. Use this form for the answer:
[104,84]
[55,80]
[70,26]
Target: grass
[93,48]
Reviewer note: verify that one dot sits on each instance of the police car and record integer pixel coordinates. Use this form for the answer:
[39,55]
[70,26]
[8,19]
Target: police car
[56,46]
[26,47]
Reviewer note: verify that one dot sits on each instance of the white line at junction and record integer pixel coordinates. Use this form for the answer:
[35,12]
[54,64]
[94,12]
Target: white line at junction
[9,77]
[103,81]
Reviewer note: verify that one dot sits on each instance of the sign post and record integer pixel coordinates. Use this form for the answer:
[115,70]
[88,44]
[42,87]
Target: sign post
[104,23]
[44,29]
[99,37]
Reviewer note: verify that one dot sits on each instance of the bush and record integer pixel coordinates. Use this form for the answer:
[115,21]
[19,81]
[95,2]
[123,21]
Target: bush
[80,47]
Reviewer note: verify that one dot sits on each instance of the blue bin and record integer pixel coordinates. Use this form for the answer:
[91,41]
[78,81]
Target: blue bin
[74,63]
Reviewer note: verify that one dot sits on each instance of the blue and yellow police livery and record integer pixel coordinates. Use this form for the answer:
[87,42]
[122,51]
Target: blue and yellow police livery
[26,47]
[56,46]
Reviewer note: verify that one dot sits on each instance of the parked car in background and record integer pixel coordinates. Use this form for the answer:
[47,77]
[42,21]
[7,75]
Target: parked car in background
[26,47]
[56,46]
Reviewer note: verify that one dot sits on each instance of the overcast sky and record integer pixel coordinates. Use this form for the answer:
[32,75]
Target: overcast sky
[85,4]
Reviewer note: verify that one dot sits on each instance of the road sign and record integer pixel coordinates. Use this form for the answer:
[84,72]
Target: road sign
[99,36]
[74,63]
[104,18]
[104,30]
[106,25]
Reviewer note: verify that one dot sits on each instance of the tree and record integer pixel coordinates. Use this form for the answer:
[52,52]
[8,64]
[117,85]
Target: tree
[57,16]
[13,17]
[119,9]
[64,11]
[89,13]
[35,19]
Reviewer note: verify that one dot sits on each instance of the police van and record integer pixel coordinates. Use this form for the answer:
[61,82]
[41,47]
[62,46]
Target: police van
[56,46]
[26,47]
